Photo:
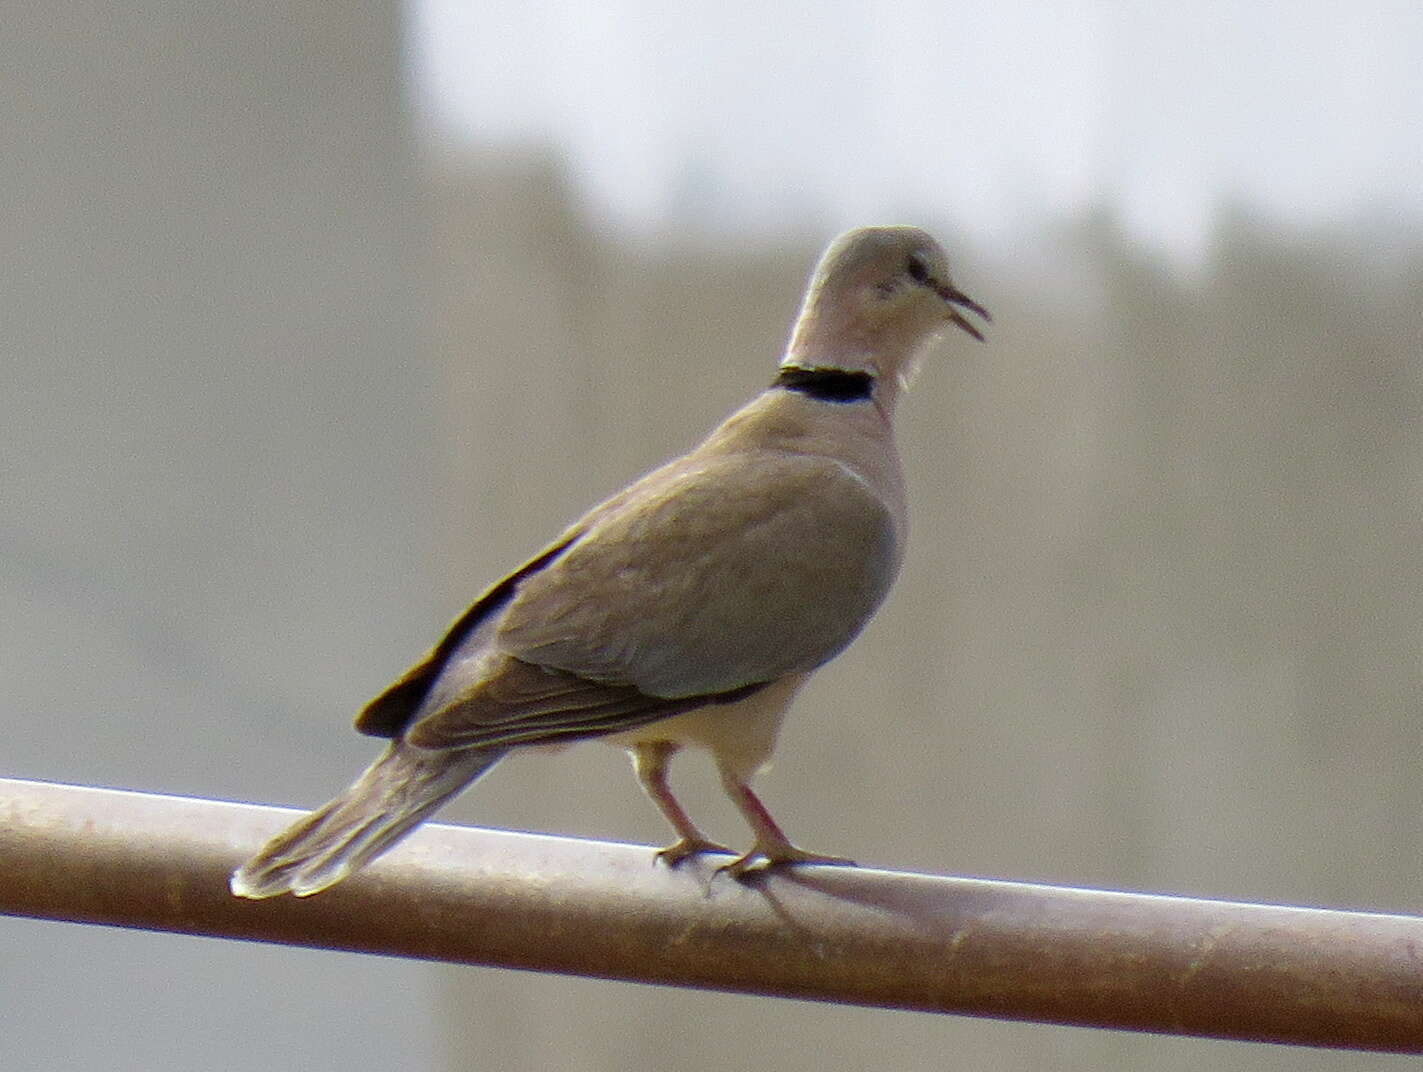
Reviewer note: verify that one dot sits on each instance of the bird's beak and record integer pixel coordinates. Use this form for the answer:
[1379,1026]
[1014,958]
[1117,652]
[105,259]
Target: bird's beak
[954,296]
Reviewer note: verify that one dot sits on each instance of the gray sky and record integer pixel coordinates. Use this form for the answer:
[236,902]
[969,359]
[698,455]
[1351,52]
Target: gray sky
[763,116]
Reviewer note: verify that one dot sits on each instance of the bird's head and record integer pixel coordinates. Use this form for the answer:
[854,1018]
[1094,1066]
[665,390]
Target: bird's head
[878,295]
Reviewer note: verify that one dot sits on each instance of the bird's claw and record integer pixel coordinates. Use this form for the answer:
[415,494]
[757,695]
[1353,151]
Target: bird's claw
[687,847]
[759,860]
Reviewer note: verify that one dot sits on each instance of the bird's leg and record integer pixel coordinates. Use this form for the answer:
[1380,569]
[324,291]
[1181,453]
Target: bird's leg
[771,846]
[649,761]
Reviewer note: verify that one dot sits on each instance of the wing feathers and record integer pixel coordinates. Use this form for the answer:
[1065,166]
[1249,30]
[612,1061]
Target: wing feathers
[520,703]
[390,712]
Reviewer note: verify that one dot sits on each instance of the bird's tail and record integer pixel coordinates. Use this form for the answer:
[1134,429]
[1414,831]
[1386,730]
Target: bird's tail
[397,791]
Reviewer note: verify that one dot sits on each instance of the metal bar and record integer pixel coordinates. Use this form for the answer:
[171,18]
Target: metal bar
[1071,956]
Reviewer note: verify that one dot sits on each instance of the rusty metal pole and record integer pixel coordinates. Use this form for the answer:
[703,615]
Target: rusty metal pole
[1069,956]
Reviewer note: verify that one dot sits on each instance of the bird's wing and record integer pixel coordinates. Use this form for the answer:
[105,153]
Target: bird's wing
[389,713]
[520,703]
[409,696]
[697,585]
[726,570]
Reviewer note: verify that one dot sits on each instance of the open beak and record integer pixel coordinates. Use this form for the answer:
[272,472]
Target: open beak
[954,296]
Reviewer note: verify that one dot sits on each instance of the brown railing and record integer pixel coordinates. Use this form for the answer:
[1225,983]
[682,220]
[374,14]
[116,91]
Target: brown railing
[1072,956]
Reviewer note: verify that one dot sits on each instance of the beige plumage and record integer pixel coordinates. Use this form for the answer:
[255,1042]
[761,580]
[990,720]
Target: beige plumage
[688,608]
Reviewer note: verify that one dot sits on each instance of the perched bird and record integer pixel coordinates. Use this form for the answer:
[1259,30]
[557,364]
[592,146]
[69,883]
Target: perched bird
[685,610]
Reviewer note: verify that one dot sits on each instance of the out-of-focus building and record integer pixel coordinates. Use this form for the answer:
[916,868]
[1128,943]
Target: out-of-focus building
[214,397]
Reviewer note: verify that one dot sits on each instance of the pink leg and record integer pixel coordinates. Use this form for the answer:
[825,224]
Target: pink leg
[771,845]
[649,761]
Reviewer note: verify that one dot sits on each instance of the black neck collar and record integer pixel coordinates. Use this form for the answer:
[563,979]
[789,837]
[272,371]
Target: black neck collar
[827,384]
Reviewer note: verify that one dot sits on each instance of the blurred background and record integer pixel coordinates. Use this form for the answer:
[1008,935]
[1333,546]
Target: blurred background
[316,318]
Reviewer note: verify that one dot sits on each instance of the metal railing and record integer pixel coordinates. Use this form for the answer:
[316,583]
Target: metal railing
[854,935]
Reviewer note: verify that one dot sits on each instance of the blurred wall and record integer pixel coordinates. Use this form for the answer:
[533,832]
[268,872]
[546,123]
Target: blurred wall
[214,444]
[1158,629]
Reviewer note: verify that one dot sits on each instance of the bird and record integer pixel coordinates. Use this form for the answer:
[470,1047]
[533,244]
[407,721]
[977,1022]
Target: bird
[686,610]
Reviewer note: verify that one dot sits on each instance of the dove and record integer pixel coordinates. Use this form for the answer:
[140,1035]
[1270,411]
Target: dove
[686,610]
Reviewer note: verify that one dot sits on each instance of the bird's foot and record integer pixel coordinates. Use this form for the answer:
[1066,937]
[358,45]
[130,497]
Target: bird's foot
[686,847]
[760,859]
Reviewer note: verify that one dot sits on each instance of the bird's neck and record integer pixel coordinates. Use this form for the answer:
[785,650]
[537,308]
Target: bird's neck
[835,344]
[841,377]
[827,384]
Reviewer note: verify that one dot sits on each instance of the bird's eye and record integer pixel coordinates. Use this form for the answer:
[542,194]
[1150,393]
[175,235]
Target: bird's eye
[918,271]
